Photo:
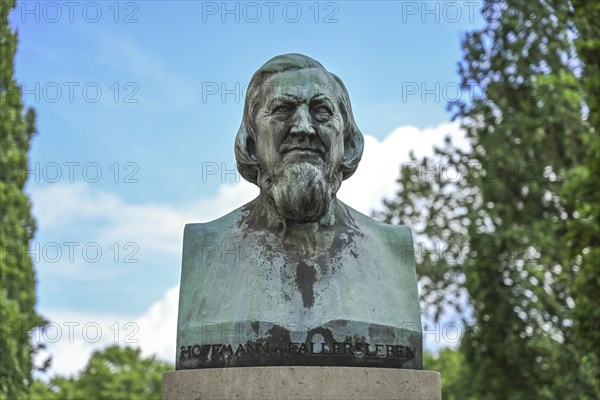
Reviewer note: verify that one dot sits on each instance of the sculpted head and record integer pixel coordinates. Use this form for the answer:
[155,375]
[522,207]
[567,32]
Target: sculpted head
[298,139]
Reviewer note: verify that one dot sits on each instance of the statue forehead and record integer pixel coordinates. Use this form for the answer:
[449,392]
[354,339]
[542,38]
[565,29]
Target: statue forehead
[304,83]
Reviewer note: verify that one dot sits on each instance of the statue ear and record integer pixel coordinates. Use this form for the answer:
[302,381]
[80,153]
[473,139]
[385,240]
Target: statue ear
[353,149]
[353,145]
[251,147]
[349,148]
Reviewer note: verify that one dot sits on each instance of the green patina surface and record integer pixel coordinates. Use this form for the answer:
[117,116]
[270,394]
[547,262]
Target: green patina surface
[296,270]
[237,283]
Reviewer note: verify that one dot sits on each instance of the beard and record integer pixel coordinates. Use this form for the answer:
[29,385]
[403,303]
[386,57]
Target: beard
[302,191]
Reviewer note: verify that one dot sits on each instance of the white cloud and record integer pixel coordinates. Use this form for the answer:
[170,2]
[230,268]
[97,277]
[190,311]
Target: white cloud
[375,178]
[68,206]
[159,227]
[161,322]
[71,337]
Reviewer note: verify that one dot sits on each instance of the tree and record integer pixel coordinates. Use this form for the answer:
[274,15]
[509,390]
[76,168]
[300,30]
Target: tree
[581,191]
[513,230]
[449,362]
[114,373]
[17,279]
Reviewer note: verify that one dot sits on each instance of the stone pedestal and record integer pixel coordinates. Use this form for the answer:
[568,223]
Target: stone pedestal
[301,383]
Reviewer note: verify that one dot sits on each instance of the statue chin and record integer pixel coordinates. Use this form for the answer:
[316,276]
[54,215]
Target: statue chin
[301,192]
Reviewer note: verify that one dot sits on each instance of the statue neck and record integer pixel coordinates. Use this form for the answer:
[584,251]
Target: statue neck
[263,215]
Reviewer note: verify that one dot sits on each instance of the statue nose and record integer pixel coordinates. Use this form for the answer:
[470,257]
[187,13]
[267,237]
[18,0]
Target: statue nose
[302,125]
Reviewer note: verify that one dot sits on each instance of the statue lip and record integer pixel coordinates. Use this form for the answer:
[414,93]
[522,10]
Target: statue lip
[288,149]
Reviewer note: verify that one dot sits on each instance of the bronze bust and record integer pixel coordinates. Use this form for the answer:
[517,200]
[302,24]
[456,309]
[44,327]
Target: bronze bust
[296,277]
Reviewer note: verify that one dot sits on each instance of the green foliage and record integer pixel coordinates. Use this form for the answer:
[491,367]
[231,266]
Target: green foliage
[114,373]
[17,279]
[581,191]
[449,364]
[520,229]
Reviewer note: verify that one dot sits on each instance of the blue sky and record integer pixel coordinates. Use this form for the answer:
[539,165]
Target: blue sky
[149,94]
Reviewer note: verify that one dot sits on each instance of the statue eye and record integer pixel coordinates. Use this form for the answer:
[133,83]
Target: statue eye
[322,109]
[322,113]
[282,108]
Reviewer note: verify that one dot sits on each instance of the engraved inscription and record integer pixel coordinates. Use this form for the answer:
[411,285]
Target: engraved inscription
[292,348]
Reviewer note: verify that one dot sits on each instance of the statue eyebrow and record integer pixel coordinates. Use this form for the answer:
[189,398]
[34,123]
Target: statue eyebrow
[290,98]
[284,98]
[321,98]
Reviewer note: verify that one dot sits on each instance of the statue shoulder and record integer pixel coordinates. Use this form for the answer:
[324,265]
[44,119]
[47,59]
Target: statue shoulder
[400,232]
[397,239]
[201,240]
[225,225]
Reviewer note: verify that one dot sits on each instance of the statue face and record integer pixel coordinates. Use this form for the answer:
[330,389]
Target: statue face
[299,139]
[299,120]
